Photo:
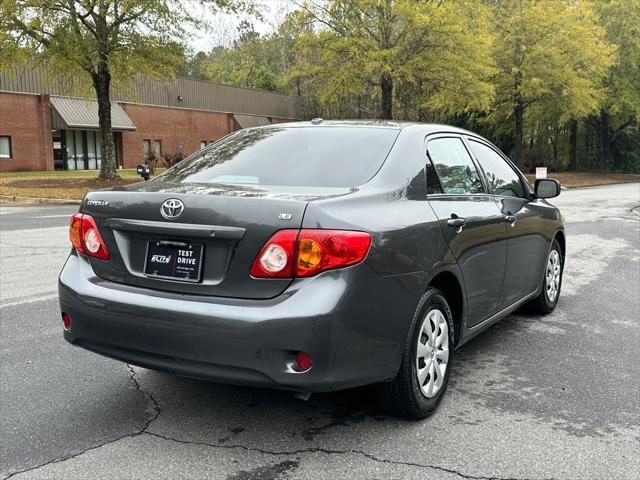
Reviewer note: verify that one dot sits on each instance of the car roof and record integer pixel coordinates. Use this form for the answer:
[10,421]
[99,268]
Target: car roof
[386,124]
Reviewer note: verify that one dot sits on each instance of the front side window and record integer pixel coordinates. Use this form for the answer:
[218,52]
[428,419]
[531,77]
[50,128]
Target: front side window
[502,178]
[453,164]
[289,156]
[5,146]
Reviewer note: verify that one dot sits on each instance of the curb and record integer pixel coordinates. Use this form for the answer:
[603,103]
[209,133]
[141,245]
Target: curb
[37,200]
[573,187]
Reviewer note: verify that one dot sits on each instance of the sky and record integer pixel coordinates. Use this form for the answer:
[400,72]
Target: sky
[223,26]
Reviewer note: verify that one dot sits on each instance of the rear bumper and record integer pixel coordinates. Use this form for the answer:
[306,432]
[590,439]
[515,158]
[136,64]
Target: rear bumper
[352,322]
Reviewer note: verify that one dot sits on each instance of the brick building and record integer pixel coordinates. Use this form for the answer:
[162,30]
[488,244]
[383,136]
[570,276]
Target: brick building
[51,125]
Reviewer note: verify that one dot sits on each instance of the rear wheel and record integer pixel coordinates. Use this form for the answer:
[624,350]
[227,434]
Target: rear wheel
[551,283]
[422,380]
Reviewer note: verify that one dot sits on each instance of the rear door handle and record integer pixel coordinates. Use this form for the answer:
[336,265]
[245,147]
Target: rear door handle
[512,219]
[456,223]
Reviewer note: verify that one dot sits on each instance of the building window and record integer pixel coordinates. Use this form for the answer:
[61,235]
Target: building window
[158,147]
[81,149]
[203,144]
[71,150]
[5,146]
[146,145]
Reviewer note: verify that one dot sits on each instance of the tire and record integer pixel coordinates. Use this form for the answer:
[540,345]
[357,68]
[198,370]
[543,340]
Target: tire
[404,396]
[546,303]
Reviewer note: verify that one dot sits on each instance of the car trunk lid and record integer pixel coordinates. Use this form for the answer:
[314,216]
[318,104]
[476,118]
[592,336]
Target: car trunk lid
[220,232]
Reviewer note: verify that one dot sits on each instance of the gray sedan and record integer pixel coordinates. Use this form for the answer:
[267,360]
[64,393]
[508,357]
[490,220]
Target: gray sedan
[315,257]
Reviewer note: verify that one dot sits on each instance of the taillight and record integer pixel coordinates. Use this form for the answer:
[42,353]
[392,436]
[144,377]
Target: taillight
[86,238]
[307,252]
[321,250]
[75,231]
[276,257]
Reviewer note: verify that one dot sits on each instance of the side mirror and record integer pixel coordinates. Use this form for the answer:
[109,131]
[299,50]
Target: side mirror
[547,188]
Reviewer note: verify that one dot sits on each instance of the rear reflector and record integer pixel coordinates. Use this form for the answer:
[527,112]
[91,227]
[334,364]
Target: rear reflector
[85,237]
[303,361]
[307,252]
[66,321]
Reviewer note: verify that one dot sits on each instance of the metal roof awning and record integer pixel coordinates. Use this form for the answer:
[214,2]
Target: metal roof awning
[83,114]
[248,121]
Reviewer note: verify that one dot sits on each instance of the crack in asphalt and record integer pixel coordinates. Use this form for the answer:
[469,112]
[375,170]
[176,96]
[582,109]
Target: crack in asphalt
[155,406]
[331,452]
[150,397]
[156,414]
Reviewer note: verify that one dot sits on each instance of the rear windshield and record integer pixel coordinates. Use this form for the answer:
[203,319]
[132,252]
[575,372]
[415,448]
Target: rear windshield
[298,156]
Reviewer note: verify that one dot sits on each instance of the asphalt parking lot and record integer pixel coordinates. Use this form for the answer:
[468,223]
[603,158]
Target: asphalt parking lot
[531,398]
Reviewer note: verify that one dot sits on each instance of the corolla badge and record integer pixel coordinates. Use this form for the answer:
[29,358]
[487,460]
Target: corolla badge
[97,203]
[172,208]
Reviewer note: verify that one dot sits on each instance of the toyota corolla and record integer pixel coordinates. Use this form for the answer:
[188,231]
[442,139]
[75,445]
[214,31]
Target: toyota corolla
[315,257]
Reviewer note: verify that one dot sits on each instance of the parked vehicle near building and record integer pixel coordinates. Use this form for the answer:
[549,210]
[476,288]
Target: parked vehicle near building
[315,256]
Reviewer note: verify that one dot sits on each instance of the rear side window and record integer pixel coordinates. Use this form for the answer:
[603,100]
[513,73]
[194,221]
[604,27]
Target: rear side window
[502,178]
[433,183]
[452,162]
[294,156]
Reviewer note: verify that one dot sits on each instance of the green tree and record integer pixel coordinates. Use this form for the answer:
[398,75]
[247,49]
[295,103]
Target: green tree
[194,66]
[620,108]
[247,63]
[106,39]
[368,48]
[551,54]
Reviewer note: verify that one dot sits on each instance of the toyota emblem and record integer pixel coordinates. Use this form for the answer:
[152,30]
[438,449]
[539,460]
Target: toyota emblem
[172,208]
